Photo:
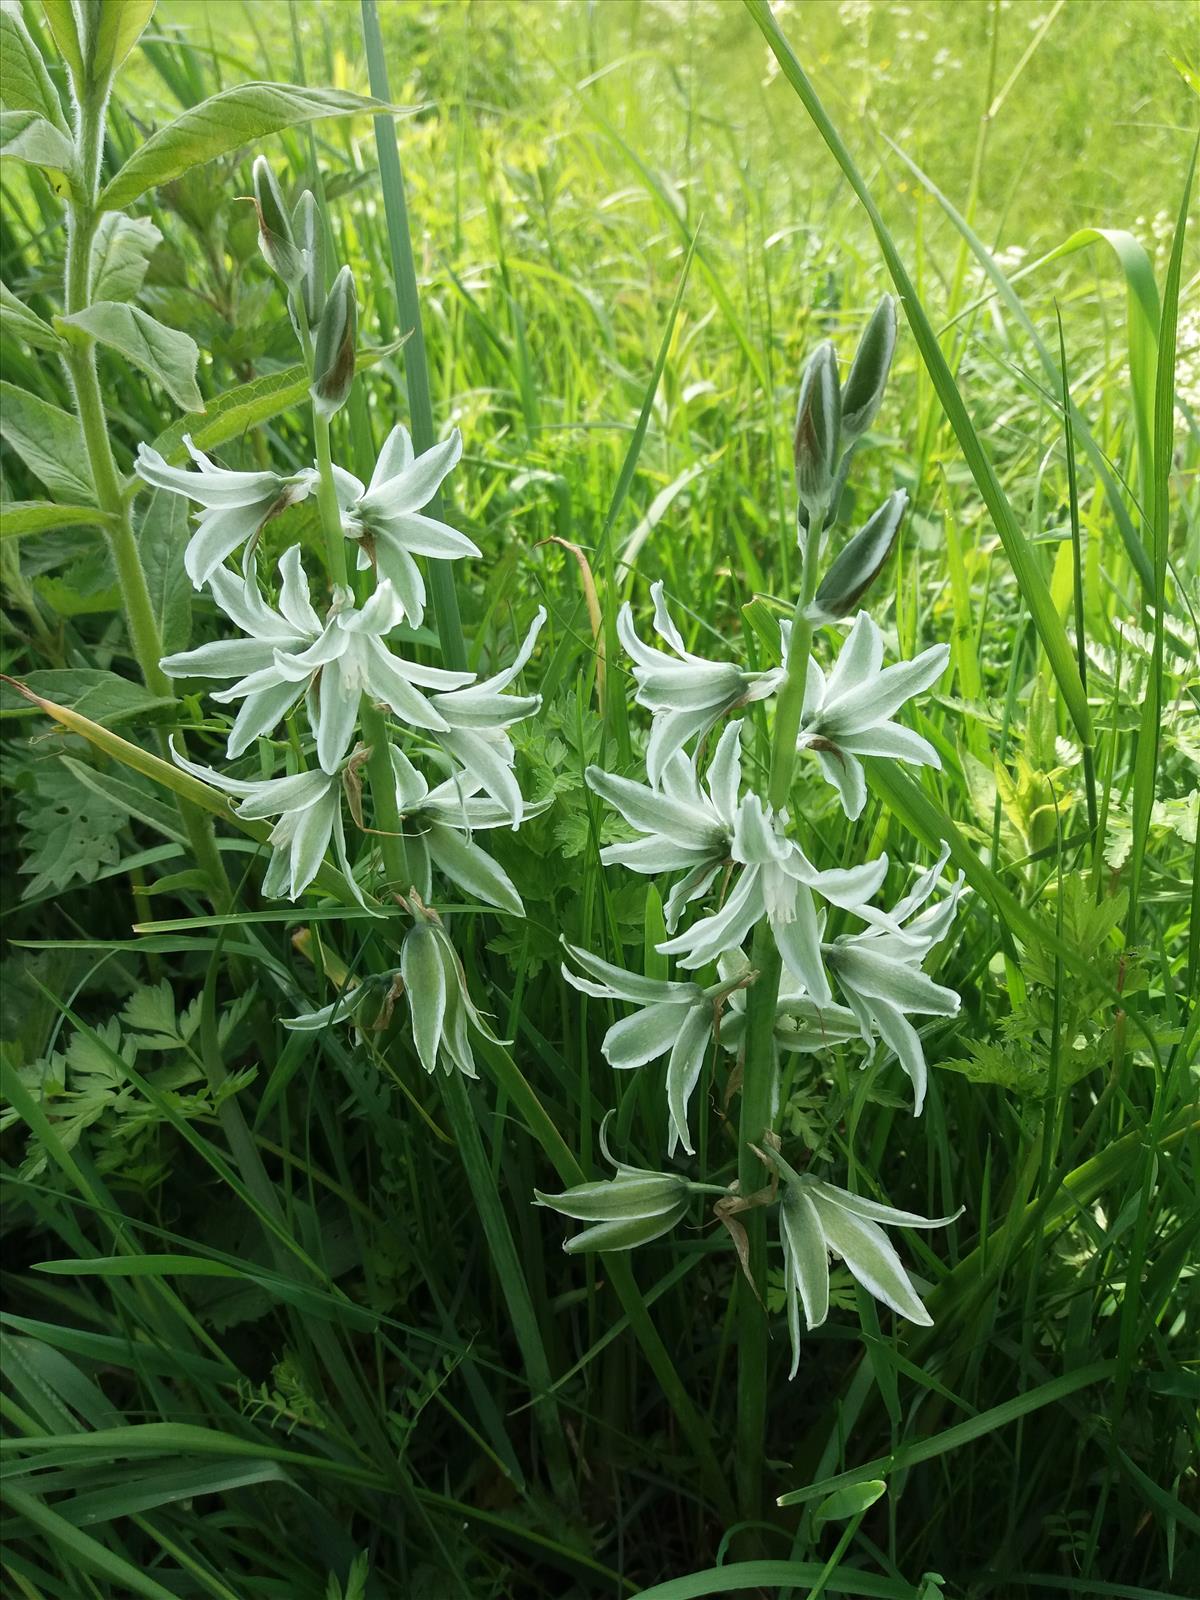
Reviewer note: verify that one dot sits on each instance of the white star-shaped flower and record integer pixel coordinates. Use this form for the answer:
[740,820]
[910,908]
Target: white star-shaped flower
[236,504]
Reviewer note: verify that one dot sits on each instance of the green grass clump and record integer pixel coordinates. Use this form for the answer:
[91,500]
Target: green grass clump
[279,1317]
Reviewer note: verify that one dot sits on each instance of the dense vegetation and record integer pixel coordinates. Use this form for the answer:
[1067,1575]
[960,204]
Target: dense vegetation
[281,1317]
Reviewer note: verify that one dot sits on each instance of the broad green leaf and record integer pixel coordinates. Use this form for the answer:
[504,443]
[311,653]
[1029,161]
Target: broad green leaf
[852,1501]
[20,517]
[86,588]
[238,410]
[225,122]
[162,538]
[115,27]
[104,697]
[48,440]
[29,137]
[121,252]
[168,356]
[1022,558]
[19,319]
[60,18]
[24,82]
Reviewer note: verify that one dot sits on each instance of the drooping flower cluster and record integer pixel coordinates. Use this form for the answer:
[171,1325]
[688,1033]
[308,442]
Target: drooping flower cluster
[318,683]
[738,842]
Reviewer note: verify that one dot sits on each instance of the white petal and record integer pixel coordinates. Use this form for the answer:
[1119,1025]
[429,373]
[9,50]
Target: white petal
[683,1071]
[865,1249]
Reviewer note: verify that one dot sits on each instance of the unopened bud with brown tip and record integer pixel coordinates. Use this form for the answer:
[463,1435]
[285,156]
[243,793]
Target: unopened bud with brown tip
[274,227]
[333,352]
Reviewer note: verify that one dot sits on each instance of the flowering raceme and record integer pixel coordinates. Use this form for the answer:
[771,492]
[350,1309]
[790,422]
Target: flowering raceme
[765,937]
[431,740]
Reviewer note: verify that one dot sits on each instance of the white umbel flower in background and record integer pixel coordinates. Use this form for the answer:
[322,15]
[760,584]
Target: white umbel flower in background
[849,714]
[236,504]
[685,692]
[384,516]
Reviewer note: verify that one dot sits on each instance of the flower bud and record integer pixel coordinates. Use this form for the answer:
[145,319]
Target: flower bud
[818,422]
[274,229]
[869,372]
[631,1209]
[333,353]
[859,562]
[309,235]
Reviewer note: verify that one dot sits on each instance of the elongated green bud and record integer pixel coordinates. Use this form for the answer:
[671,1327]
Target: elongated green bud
[860,562]
[869,372]
[309,236]
[274,227]
[818,423]
[333,354]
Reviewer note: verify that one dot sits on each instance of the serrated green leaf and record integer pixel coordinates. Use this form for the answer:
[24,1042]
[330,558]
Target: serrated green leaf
[225,122]
[48,440]
[121,252]
[68,832]
[168,356]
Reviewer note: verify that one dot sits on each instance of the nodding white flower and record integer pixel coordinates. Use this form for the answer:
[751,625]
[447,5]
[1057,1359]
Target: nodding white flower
[383,516]
[431,977]
[308,806]
[290,653]
[683,825]
[777,882]
[879,972]
[817,1220]
[674,1019]
[635,1207]
[686,693]
[472,721]
[441,1010]
[849,714]
[802,1027]
[437,824]
[236,504]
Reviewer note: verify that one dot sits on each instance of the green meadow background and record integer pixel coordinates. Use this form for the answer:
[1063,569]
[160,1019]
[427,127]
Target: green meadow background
[373,1434]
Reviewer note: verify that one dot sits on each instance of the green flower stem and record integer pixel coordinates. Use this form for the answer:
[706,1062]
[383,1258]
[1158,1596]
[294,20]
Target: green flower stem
[331,517]
[80,361]
[757,1067]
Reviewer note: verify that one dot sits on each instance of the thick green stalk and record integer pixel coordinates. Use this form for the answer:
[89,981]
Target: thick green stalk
[80,362]
[759,1063]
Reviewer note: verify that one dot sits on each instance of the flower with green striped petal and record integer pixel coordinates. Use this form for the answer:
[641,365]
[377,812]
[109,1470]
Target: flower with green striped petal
[850,714]
[236,504]
[308,811]
[779,883]
[384,517]
[635,1207]
[440,1007]
[673,1019]
[438,824]
[472,723]
[879,971]
[818,1220]
[686,692]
